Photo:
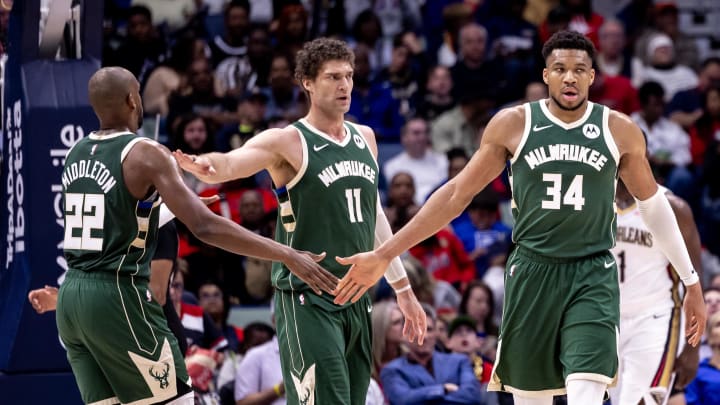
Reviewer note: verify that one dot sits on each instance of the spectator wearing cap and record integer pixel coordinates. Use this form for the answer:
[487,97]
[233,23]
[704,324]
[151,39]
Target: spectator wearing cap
[663,68]
[464,339]
[425,375]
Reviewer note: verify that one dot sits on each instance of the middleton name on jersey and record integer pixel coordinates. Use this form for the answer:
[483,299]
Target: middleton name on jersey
[91,169]
[563,151]
[629,234]
[345,168]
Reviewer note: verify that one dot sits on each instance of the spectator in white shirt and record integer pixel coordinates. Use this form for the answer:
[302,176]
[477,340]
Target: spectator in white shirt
[427,167]
[663,68]
[259,378]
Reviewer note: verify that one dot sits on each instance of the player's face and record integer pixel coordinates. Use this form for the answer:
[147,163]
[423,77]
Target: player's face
[330,90]
[568,74]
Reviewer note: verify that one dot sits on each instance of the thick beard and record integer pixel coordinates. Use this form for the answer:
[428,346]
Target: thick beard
[562,107]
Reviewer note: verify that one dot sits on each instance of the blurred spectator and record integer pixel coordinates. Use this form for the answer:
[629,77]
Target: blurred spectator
[250,115]
[463,339]
[484,236]
[192,136]
[686,105]
[5,8]
[170,76]
[292,30]
[477,303]
[712,306]
[173,14]
[368,31]
[388,340]
[473,70]
[215,303]
[373,104]
[612,57]
[558,19]
[454,17]
[402,76]
[257,272]
[616,92]
[143,47]
[583,19]
[438,293]
[438,94]
[200,98]
[396,17]
[515,43]
[705,388]
[285,99]
[425,375]
[427,167]
[667,143]
[636,16]
[665,21]
[259,379]
[236,21]
[199,327]
[534,91]
[400,206]
[462,126]
[707,127]
[444,257]
[710,201]
[663,68]
[260,54]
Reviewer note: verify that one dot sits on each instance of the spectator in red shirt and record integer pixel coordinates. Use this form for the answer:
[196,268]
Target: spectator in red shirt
[444,257]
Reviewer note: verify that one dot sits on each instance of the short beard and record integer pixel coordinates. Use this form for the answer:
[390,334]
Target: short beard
[562,107]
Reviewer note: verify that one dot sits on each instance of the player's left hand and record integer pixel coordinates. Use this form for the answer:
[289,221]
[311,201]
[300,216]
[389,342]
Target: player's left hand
[695,314]
[686,366]
[415,320]
[365,270]
[43,299]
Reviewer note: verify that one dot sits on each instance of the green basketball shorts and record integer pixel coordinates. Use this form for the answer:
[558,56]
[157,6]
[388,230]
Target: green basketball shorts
[117,339]
[560,322]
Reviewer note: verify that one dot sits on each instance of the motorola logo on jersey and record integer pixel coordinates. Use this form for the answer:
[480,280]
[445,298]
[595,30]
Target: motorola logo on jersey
[591,131]
[359,141]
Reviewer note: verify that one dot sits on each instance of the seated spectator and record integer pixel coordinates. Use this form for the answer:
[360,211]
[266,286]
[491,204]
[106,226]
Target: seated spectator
[477,303]
[685,108]
[257,271]
[425,375]
[463,339]
[194,137]
[616,92]
[402,76]
[438,94]
[612,57]
[444,257]
[706,129]
[259,378]
[461,127]
[437,293]
[705,388]
[474,70]
[426,166]
[199,328]
[250,116]
[709,225]
[484,236]
[666,22]
[215,303]
[667,143]
[712,306]
[292,30]
[663,68]
[387,329]
[400,205]
[285,99]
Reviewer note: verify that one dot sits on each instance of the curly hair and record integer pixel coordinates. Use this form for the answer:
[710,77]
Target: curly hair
[314,53]
[568,40]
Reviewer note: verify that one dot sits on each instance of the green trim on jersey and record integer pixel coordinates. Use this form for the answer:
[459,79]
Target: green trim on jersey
[563,178]
[330,205]
[106,228]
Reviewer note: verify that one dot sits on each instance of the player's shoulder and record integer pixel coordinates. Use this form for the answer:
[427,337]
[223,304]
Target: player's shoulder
[512,114]
[509,120]
[619,120]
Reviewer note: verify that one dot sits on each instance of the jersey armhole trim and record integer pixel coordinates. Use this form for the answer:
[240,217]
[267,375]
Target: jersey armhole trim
[526,134]
[609,140]
[129,146]
[303,166]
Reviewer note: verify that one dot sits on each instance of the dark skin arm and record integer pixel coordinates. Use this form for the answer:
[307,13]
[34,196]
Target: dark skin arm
[150,165]
[687,362]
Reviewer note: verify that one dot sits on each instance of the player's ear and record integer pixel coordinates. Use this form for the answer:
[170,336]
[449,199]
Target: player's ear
[592,76]
[545,75]
[130,101]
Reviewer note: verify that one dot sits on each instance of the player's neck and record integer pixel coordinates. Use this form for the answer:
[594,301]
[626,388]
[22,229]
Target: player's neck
[110,126]
[331,125]
[567,116]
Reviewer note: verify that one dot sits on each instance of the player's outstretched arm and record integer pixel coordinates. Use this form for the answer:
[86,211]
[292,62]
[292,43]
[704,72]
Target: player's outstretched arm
[443,205]
[687,362]
[260,152]
[158,169]
[658,215]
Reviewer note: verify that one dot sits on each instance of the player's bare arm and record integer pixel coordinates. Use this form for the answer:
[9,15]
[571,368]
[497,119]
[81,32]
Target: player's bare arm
[500,137]
[150,165]
[687,362]
[635,172]
[278,150]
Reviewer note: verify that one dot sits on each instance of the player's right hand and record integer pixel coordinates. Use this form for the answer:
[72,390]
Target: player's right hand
[197,165]
[43,299]
[695,314]
[305,266]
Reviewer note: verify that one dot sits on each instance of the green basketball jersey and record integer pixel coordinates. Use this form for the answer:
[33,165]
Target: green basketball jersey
[106,228]
[330,205]
[563,179]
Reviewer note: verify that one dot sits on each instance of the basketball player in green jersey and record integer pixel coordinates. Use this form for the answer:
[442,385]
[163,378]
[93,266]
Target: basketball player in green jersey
[118,342]
[561,306]
[326,175]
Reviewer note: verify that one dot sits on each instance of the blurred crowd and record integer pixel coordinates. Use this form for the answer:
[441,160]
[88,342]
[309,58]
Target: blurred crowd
[429,74]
